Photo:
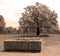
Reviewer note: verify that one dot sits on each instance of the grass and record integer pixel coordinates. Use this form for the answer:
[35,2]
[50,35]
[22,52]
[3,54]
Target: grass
[50,46]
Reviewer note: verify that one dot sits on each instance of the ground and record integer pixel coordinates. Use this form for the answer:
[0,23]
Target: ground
[50,46]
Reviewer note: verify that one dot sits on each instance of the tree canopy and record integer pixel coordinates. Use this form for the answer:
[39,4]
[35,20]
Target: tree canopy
[2,23]
[38,18]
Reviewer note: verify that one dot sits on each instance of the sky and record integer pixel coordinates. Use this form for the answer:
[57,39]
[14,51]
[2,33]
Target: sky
[11,9]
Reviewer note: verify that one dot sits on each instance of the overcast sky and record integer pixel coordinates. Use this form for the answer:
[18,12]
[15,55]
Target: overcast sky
[12,9]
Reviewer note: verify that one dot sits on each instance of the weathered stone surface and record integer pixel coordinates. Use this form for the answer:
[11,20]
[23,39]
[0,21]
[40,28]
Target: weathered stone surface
[25,44]
[21,45]
[9,45]
[35,46]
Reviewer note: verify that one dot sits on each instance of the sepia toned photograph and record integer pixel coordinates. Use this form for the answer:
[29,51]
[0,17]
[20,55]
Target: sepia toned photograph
[29,28]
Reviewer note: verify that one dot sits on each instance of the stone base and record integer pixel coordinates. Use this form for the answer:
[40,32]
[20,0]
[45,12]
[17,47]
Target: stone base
[22,45]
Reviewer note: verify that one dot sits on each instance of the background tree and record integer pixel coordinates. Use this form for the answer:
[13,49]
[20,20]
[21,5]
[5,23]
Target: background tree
[38,19]
[2,23]
[10,30]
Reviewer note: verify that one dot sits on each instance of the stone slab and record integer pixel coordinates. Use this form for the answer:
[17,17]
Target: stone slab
[26,44]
